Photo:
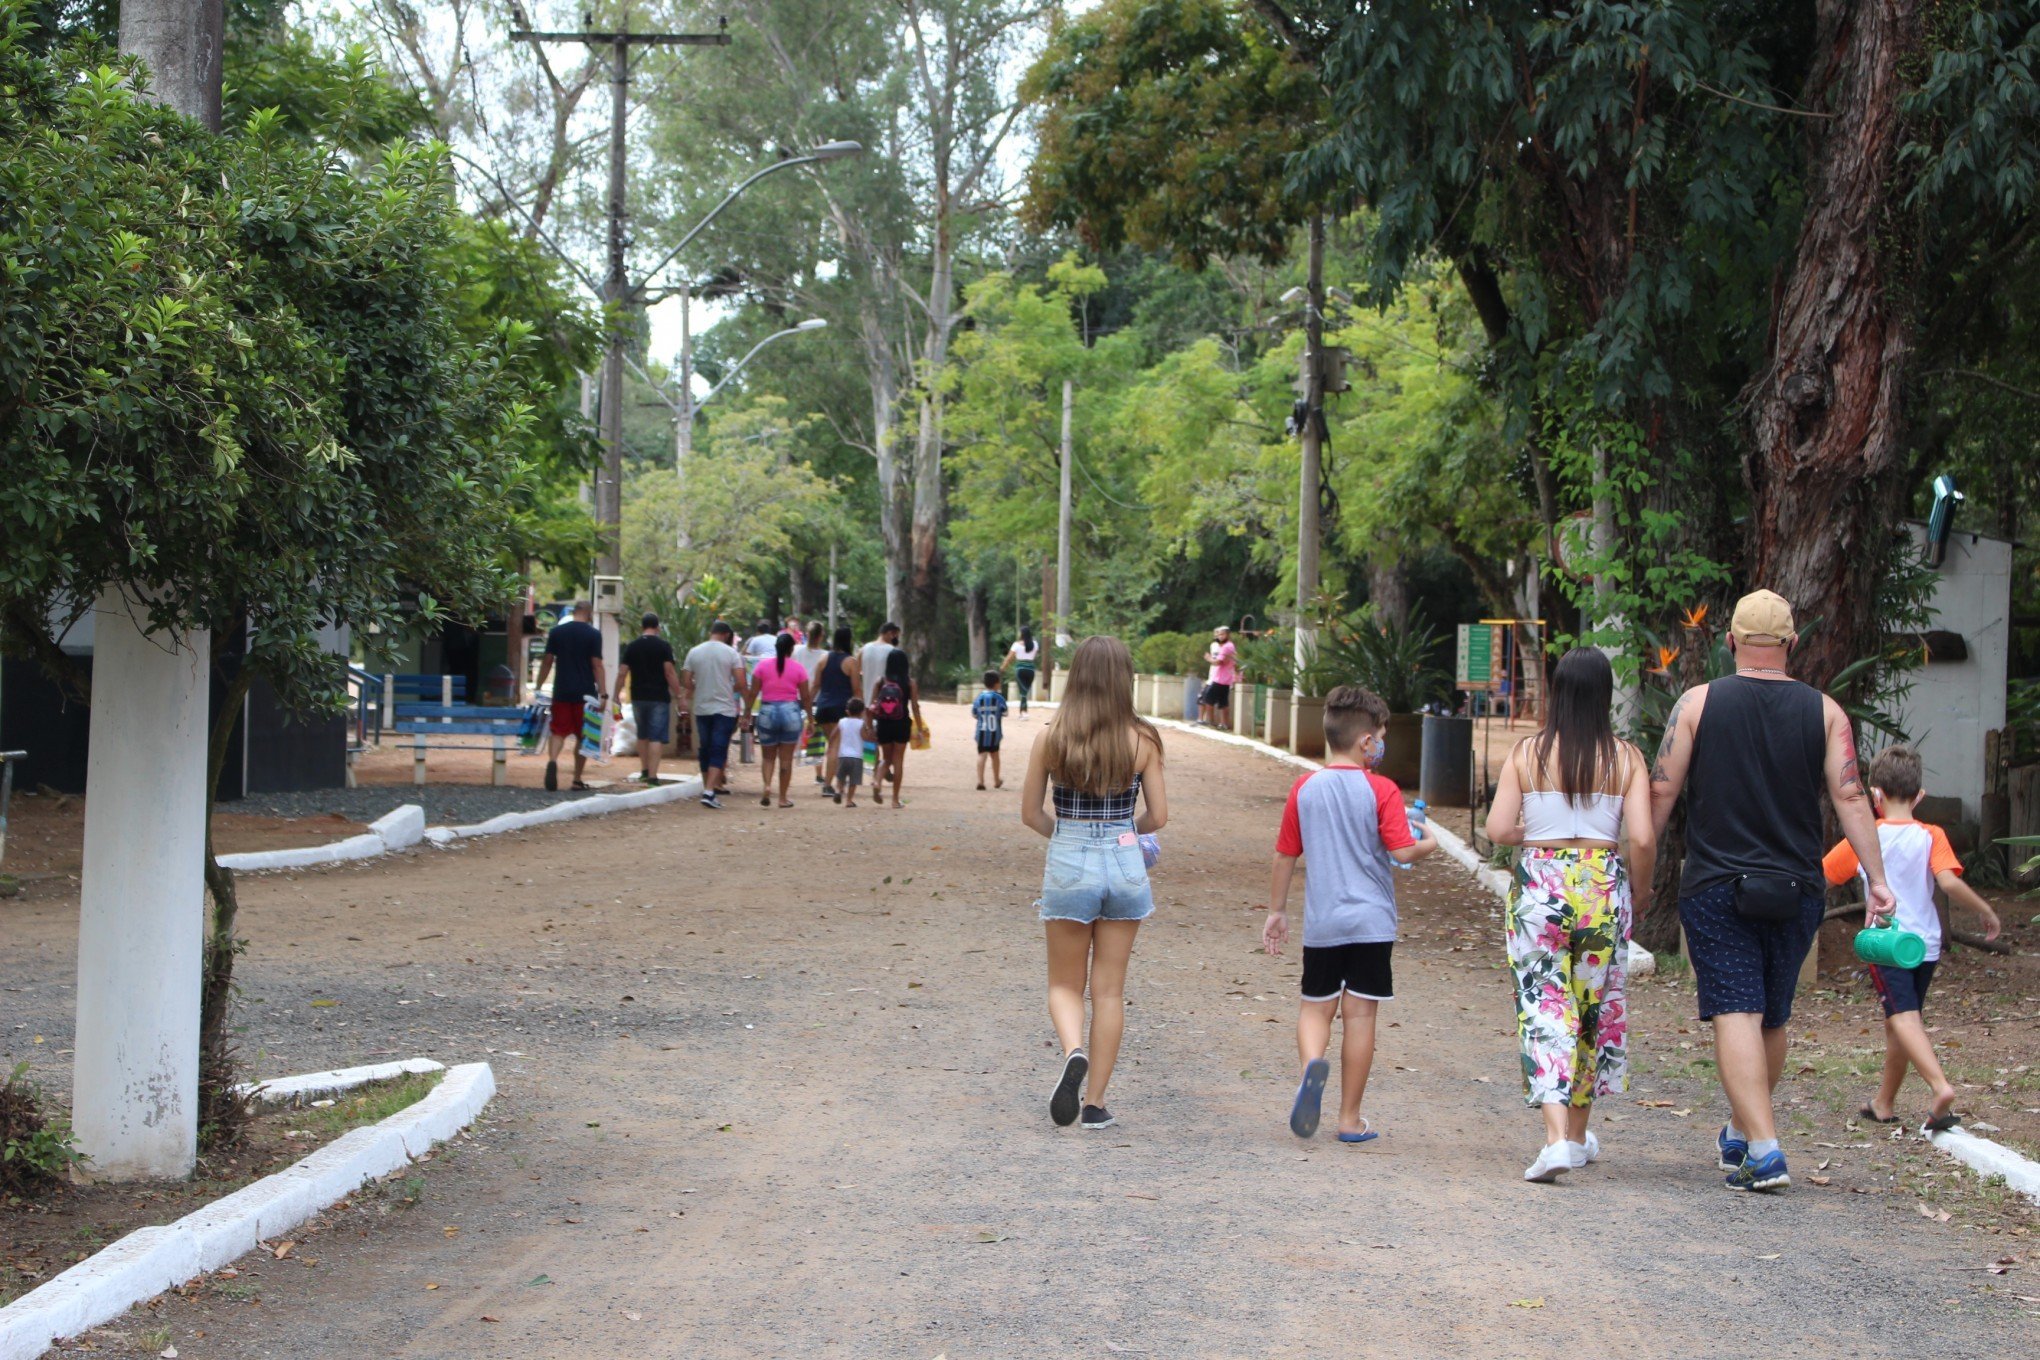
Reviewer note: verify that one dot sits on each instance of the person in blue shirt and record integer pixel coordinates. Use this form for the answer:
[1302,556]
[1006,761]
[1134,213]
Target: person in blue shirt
[989,709]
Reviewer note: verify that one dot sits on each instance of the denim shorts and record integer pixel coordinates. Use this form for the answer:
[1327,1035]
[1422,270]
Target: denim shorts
[779,724]
[712,733]
[1746,967]
[1095,872]
[654,721]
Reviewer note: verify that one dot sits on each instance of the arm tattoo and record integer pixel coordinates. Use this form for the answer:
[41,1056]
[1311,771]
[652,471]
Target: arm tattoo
[1658,774]
[1850,777]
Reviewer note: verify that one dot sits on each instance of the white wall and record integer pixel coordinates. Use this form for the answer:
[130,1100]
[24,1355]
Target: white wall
[1953,704]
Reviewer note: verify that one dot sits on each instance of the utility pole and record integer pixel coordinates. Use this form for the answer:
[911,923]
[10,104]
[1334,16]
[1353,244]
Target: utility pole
[1311,475]
[618,297]
[1062,525]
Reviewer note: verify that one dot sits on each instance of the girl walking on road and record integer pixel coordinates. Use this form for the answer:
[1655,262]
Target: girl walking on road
[1087,780]
[895,709]
[837,684]
[1021,656]
[811,654]
[1568,795]
[782,684]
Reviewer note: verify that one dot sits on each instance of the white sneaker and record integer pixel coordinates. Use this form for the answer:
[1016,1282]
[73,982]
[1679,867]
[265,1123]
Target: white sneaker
[1552,1162]
[1589,1151]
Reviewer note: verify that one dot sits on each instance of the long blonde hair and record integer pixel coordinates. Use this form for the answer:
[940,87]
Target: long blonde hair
[1087,746]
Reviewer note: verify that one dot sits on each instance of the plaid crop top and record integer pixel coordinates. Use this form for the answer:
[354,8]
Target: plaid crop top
[1073,805]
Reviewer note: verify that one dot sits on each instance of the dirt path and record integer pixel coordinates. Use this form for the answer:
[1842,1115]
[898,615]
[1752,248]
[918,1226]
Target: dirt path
[774,1084]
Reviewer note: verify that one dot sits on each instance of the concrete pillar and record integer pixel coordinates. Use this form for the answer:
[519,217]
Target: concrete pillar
[141,916]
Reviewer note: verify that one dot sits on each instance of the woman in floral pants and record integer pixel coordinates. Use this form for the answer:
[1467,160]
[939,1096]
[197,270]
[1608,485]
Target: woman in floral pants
[1570,796]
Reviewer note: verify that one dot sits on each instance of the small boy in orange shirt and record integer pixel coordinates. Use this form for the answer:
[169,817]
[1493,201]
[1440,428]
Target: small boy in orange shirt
[1917,857]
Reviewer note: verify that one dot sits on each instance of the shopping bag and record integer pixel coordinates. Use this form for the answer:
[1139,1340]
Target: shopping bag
[922,738]
[536,719]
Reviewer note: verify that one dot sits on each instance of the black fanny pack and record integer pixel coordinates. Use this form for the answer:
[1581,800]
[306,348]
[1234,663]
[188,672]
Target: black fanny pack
[1771,899]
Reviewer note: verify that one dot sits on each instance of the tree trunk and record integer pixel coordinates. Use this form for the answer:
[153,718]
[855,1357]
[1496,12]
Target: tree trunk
[181,42]
[1824,459]
[883,380]
[923,601]
[218,1106]
[1388,590]
[979,626]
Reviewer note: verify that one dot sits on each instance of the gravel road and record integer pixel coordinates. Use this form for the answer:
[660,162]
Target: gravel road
[774,1083]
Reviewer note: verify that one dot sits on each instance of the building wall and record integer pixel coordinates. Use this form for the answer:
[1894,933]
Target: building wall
[1953,704]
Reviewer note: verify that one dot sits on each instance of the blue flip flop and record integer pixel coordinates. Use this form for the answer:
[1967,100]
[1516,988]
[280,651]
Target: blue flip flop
[1310,1098]
[1366,1135]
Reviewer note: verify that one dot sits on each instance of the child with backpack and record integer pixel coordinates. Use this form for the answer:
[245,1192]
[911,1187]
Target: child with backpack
[895,709]
[989,709]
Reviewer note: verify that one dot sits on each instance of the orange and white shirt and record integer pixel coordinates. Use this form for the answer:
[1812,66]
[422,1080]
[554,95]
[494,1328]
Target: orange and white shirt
[1914,852]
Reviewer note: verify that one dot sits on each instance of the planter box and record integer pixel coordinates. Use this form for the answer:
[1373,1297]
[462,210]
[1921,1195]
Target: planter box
[1277,733]
[1404,762]
[965,694]
[1245,720]
[1307,726]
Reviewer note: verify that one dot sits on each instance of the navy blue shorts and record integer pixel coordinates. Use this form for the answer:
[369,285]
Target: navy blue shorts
[1902,989]
[1746,967]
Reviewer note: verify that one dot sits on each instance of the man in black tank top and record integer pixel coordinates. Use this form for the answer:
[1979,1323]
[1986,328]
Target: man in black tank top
[1753,753]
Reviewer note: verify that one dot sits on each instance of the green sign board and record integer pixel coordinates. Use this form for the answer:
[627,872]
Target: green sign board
[1479,655]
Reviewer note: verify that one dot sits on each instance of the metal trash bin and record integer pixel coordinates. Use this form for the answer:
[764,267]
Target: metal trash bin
[1446,779]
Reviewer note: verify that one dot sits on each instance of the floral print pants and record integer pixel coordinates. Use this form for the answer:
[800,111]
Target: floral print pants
[1568,923]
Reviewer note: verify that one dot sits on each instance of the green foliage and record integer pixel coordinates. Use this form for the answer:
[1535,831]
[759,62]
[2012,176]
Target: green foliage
[743,508]
[234,377]
[36,1150]
[1398,661]
[1172,654]
[1169,124]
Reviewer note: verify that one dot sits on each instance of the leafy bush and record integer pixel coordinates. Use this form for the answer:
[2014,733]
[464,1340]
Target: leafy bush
[35,1150]
[1392,659]
[1171,654]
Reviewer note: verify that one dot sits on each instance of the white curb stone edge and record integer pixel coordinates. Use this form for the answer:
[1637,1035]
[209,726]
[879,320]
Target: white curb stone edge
[318,1085]
[1980,1154]
[148,1261]
[405,827]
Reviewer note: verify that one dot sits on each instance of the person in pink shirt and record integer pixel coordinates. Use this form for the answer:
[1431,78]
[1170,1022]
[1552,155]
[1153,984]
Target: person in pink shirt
[781,693]
[1214,705]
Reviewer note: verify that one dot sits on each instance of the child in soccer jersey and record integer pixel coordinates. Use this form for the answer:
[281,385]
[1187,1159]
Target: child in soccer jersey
[989,710]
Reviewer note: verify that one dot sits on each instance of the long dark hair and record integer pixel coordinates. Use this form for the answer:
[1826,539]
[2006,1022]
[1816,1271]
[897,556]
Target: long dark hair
[1027,635]
[898,667]
[843,641]
[782,647]
[1582,693]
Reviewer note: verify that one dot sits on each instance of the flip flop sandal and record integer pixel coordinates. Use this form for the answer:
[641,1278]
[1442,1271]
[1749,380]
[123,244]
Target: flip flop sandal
[1941,1123]
[1366,1135]
[1867,1113]
[580,787]
[1305,1109]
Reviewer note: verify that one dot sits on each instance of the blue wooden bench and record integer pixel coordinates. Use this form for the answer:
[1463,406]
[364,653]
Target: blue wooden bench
[422,722]
[397,688]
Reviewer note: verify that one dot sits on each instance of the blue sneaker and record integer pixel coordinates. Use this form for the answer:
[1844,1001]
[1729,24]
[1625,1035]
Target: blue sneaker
[1761,1173]
[1734,1151]
[1303,1114]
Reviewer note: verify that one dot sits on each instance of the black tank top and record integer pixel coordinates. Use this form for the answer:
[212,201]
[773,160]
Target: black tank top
[1753,790]
[835,683]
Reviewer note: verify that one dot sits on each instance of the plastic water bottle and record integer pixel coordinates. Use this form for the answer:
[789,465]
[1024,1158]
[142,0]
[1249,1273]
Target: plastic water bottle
[1419,814]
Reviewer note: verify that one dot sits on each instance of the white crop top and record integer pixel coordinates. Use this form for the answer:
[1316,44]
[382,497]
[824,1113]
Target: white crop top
[1549,815]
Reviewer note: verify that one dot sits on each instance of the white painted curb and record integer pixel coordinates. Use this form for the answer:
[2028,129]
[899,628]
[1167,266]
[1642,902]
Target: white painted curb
[365,846]
[150,1260]
[402,827]
[1991,1159]
[317,1085]
[595,805]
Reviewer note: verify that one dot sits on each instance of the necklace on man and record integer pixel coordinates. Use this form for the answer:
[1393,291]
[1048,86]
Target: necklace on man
[1760,670]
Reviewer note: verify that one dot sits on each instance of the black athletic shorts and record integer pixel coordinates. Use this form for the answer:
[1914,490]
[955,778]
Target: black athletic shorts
[1902,989]
[1361,969]
[832,714]
[1216,695]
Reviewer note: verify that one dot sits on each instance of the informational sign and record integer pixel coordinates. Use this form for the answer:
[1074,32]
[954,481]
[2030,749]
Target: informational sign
[1479,656]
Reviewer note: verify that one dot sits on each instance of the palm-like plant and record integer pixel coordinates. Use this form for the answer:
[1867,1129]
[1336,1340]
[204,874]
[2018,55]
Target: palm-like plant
[1395,660]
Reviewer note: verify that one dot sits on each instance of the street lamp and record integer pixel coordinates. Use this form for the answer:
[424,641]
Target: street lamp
[827,151]
[684,409]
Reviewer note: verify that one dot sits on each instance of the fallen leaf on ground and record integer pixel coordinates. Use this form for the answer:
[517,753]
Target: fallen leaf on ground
[283,1249]
[1772,1257]
[635,1317]
[1819,1180]
[1657,1104]
[487,1318]
[1135,1194]
[989,1237]
[451,1230]
[1527,1303]
[1118,1349]
[541,1279]
[431,1285]
[168,1353]
[323,1002]
[1926,1211]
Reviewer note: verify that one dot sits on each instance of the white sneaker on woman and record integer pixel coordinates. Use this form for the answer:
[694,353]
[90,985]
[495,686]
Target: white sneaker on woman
[1552,1162]
[1589,1151]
